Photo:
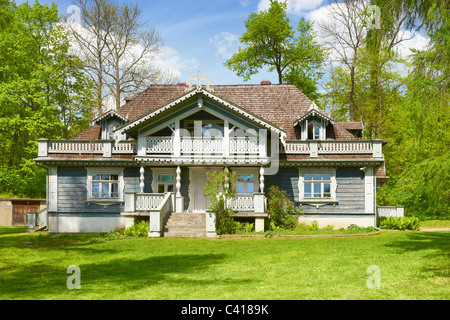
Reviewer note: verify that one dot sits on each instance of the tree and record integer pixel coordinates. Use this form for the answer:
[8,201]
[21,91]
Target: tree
[271,42]
[120,50]
[343,32]
[41,84]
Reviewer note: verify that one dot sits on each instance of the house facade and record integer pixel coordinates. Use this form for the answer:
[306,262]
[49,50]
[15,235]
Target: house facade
[149,160]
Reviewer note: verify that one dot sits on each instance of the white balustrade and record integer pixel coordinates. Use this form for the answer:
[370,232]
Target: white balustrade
[201,145]
[242,202]
[345,147]
[79,147]
[243,145]
[160,145]
[148,201]
[301,147]
[330,147]
[127,147]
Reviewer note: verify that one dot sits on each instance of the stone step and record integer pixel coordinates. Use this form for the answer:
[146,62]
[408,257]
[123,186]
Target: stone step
[185,225]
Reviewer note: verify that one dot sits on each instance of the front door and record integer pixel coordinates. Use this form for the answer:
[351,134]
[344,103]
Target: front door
[199,182]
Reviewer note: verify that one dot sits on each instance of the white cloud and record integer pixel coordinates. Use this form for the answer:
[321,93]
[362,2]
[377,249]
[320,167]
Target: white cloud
[415,41]
[244,3]
[293,6]
[225,43]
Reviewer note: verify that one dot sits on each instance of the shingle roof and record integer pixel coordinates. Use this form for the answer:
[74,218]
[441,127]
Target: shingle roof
[280,105]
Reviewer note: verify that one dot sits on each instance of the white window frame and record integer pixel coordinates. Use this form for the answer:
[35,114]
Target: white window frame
[162,171]
[301,185]
[100,171]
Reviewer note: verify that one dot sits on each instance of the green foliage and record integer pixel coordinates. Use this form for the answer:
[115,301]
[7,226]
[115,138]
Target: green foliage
[270,41]
[399,223]
[245,227]
[139,229]
[43,92]
[218,189]
[281,210]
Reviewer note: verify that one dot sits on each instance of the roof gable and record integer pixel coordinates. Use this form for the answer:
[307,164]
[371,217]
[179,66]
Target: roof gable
[199,96]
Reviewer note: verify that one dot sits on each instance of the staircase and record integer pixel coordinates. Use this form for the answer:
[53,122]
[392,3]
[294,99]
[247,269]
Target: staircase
[186,225]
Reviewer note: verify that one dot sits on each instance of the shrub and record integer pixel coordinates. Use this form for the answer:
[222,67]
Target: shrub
[281,209]
[399,223]
[139,229]
[218,189]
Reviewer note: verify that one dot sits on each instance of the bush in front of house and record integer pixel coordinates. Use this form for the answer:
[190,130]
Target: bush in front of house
[281,210]
[399,223]
[139,229]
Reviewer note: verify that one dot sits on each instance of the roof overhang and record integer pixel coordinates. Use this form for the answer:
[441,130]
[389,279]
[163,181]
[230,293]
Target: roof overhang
[108,114]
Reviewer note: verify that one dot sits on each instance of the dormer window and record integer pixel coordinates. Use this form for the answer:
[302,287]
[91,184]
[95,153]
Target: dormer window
[314,130]
[313,125]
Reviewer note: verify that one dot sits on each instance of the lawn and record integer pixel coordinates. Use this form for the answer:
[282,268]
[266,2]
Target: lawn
[412,265]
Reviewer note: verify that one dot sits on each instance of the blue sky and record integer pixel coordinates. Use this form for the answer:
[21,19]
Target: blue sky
[202,34]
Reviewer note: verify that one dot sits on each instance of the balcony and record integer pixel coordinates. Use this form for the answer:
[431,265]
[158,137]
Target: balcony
[315,148]
[203,146]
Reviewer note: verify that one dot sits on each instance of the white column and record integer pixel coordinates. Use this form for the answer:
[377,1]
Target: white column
[313,149]
[43,147]
[178,184]
[261,179]
[179,202]
[142,179]
[369,185]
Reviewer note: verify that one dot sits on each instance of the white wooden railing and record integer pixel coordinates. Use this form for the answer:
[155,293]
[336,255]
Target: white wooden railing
[242,145]
[188,145]
[314,148]
[390,211]
[75,147]
[201,145]
[338,147]
[242,203]
[105,147]
[148,201]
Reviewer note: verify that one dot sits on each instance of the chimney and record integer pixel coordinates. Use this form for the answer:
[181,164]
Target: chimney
[265,83]
[181,83]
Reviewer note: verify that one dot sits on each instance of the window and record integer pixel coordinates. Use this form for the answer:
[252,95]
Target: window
[164,180]
[205,128]
[245,183]
[317,186]
[104,185]
[313,131]
[166,183]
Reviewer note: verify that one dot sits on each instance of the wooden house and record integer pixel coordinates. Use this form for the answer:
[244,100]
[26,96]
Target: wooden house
[150,157]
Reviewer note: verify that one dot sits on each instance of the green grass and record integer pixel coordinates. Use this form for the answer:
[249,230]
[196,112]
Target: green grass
[413,265]
[435,224]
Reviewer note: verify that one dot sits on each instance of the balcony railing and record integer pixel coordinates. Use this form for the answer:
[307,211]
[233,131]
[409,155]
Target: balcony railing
[205,145]
[101,147]
[315,148]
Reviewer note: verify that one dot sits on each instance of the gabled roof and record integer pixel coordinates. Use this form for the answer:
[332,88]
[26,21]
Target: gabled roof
[277,105]
[313,111]
[201,94]
[109,114]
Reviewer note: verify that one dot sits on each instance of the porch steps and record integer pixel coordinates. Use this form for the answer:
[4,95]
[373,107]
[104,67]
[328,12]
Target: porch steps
[186,225]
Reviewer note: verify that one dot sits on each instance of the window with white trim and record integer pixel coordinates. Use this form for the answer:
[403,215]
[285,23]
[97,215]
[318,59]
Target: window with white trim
[317,185]
[104,185]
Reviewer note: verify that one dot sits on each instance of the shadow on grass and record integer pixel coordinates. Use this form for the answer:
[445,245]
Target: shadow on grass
[108,279]
[438,243]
